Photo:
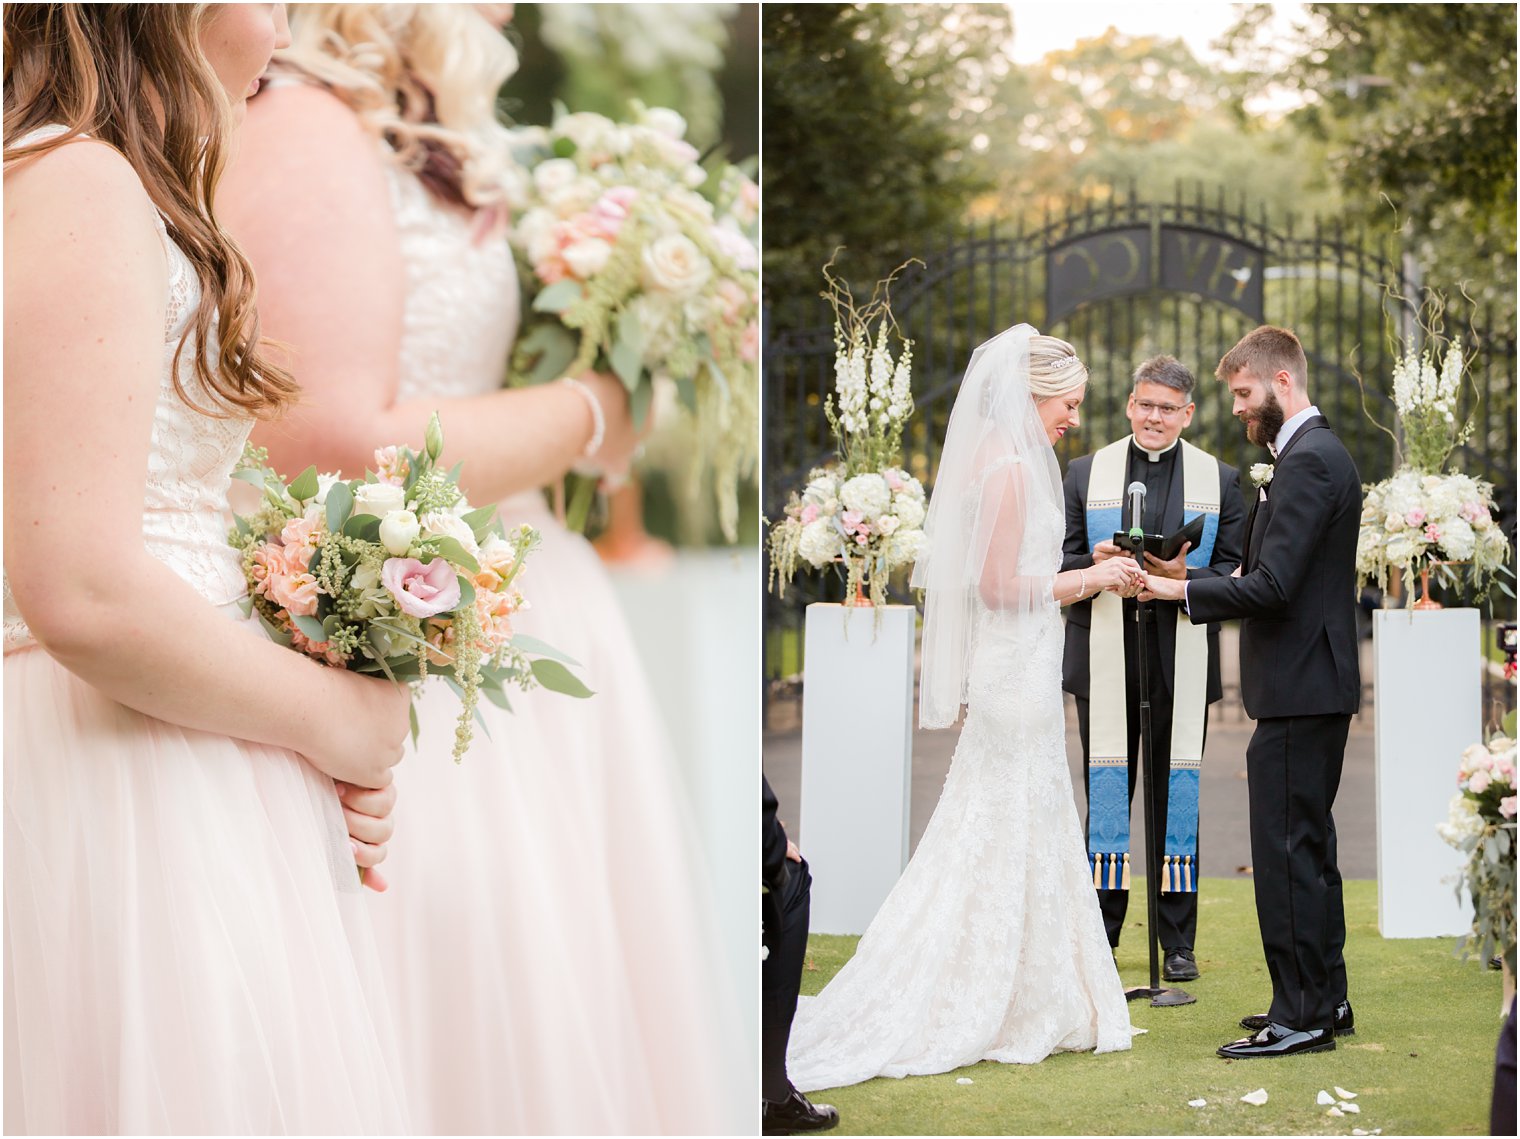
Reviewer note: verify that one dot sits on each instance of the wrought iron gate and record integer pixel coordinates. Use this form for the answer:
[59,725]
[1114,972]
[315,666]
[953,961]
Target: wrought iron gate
[1122,282]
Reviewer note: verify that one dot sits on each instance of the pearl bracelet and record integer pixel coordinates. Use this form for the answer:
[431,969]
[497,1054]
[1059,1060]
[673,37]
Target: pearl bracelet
[598,419]
[1081,584]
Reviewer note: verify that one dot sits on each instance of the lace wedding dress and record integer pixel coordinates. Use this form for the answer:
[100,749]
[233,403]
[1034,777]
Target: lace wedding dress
[186,949]
[990,946]
[545,934]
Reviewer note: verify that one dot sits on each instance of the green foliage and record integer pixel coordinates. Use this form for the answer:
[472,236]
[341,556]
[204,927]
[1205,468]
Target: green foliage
[866,111]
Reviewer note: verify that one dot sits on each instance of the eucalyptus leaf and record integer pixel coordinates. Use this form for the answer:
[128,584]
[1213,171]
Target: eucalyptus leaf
[306,485]
[546,351]
[451,549]
[719,378]
[311,627]
[276,634]
[559,296]
[639,400]
[535,647]
[557,678]
[466,591]
[627,362]
[411,715]
[340,503]
[365,527]
[495,694]
[686,392]
[249,475]
[630,330]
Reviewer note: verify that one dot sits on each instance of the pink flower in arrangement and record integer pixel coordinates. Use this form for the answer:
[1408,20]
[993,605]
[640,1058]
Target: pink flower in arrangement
[1415,517]
[294,592]
[390,466]
[611,210]
[300,537]
[852,519]
[749,344]
[1507,806]
[421,590]
[1479,782]
[894,479]
[1433,534]
[1473,513]
[862,540]
[495,613]
[319,649]
[810,513]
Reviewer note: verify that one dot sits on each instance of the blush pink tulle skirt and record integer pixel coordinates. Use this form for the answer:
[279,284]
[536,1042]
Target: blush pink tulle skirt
[186,948]
[546,940]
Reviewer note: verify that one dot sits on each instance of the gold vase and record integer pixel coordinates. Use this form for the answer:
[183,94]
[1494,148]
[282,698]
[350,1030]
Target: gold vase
[1425,601]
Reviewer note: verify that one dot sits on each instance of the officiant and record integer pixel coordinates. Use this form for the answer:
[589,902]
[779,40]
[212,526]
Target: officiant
[1101,666]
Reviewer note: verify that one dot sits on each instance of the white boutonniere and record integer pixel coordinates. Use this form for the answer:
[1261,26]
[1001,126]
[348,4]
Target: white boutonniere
[1261,473]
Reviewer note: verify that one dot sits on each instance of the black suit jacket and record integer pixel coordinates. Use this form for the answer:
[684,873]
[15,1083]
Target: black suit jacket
[773,868]
[1228,544]
[1297,591]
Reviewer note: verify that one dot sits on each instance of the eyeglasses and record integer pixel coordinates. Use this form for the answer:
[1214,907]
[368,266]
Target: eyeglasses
[1165,410]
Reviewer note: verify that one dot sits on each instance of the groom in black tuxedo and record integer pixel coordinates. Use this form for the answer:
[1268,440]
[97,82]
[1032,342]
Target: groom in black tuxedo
[1300,681]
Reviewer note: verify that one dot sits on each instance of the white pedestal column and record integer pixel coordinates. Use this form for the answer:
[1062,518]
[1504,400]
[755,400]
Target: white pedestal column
[857,759]
[1427,711]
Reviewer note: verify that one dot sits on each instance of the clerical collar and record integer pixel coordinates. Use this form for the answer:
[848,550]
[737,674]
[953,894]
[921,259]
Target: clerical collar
[1154,456]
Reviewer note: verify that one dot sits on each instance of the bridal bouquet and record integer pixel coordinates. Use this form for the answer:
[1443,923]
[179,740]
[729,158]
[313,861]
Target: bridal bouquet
[638,261]
[864,510]
[1422,519]
[1481,823]
[394,574]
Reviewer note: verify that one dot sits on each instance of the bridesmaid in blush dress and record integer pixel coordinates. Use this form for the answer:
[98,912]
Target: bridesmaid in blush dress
[185,946]
[545,935]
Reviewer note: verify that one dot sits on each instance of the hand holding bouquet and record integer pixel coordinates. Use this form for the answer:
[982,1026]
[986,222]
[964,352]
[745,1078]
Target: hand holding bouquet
[630,269]
[394,574]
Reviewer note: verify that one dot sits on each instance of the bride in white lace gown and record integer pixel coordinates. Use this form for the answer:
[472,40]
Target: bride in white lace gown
[990,946]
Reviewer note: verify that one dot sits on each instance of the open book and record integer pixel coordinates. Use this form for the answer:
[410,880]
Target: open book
[1168,547]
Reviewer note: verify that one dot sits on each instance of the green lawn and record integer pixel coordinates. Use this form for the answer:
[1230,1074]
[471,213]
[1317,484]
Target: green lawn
[1421,1060]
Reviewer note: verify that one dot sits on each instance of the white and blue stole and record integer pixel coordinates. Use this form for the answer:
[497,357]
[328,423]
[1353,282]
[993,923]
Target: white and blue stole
[1108,839]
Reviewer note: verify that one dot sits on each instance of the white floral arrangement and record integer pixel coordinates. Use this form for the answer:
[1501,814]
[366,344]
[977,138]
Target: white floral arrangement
[1421,518]
[1481,823]
[639,261]
[864,511]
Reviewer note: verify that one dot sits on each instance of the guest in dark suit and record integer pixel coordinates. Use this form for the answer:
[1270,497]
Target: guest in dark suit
[1160,408]
[784,928]
[1300,681]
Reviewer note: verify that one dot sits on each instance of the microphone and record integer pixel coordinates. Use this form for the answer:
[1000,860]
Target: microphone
[1136,494]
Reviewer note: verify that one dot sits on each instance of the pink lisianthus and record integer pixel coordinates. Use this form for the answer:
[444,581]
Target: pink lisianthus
[1479,782]
[421,590]
[1415,517]
[1507,806]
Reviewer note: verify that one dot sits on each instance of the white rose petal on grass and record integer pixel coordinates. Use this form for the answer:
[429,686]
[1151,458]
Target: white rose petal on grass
[1355,1109]
[1198,1103]
[1256,1098]
[1335,1111]
[1344,1094]
[965,1080]
[1324,1099]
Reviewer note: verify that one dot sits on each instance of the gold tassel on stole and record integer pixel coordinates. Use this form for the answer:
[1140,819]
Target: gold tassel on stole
[1126,872]
[1097,872]
[1187,873]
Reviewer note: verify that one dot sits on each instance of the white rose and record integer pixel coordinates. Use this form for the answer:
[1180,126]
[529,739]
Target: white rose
[888,524]
[438,524]
[868,494]
[553,175]
[667,122]
[674,264]
[379,499]
[588,131]
[740,249]
[909,510]
[587,257]
[398,530]
[1393,522]
[819,543]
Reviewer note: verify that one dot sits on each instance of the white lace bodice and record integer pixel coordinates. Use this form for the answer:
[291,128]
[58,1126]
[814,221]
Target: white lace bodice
[190,462]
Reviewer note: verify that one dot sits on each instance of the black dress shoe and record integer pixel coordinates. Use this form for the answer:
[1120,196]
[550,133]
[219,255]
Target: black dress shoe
[795,1115]
[1180,965]
[1278,1040]
[1345,1023]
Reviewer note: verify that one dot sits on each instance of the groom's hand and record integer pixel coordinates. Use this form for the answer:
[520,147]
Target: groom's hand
[1159,588]
[1176,568]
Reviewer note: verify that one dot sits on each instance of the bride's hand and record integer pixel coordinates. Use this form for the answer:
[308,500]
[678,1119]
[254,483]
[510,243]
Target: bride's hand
[367,814]
[1117,575]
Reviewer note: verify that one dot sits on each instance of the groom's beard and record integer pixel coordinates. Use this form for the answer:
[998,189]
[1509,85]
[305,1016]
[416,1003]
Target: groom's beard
[1263,425]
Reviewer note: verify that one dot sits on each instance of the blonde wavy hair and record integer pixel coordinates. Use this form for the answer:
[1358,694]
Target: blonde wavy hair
[96,70]
[1053,367]
[423,77]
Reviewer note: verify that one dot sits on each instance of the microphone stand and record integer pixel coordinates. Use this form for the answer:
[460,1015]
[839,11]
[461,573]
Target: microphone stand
[1159,997]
